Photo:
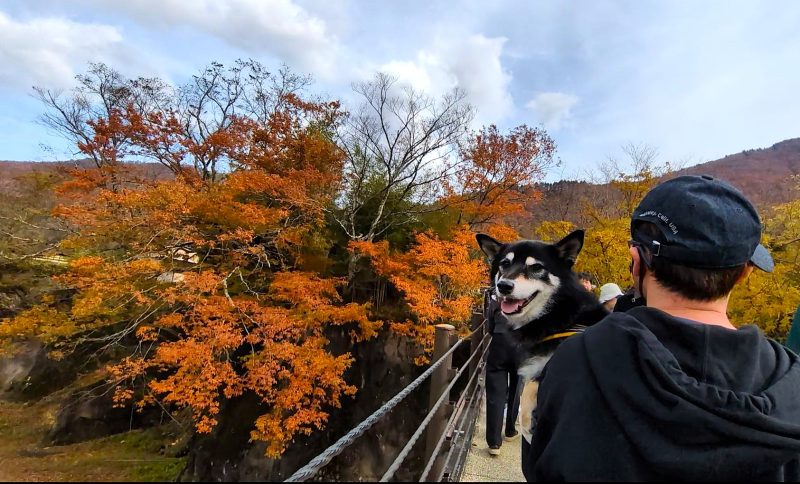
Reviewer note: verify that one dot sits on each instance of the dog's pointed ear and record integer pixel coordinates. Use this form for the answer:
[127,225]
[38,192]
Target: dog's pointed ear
[570,246]
[489,246]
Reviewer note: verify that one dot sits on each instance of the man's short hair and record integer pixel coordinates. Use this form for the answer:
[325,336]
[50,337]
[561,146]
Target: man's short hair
[690,282]
[584,276]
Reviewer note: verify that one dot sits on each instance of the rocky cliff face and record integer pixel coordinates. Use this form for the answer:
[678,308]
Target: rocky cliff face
[29,373]
[382,367]
[89,413]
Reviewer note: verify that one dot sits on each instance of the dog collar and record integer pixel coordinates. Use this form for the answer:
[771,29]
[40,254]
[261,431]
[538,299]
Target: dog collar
[565,334]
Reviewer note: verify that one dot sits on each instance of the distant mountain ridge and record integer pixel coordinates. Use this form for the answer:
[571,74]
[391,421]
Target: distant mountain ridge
[764,175]
[11,170]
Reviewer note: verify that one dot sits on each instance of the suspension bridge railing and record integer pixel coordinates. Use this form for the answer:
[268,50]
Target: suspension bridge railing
[448,425]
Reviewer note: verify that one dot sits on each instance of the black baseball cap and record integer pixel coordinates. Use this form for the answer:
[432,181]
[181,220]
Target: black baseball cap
[706,224]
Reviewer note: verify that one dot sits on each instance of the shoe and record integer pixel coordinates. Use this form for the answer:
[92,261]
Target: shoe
[494,450]
[509,438]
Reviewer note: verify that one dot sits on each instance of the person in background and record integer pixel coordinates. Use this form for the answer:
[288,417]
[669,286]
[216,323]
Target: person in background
[609,293]
[629,300]
[793,341]
[586,281]
[502,383]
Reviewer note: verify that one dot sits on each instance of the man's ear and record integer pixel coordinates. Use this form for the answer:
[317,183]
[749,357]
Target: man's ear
[746,271]
[636,260]
[489,246]
[570,246]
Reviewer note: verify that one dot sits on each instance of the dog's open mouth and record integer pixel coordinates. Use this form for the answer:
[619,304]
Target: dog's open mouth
[514,306]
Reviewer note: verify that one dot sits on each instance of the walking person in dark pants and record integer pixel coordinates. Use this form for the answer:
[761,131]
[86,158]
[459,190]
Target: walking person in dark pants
[501,382]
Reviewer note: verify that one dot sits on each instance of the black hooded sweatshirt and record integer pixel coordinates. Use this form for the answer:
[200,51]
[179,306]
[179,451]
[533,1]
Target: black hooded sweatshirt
[646,396]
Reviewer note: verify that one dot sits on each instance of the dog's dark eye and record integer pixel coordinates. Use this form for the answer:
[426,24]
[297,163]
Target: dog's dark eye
[536,267]
[505,263]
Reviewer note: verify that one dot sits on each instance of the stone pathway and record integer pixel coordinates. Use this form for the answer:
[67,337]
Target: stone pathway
[482,467]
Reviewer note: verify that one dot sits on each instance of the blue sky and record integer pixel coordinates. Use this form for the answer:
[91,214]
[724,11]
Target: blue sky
[696,80]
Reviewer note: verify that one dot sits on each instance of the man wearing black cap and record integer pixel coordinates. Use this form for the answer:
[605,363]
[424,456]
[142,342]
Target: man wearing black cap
[672,390]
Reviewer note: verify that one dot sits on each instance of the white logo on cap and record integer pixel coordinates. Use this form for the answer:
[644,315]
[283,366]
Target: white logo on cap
[663,218]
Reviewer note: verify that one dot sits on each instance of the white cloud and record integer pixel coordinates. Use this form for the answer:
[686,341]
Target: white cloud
[48,51]
[553,108]
[477,66]
[277,27]
[473,64]
[417,75]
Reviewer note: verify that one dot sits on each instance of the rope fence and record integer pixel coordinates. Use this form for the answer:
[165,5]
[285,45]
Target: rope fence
[461,416]
[320,461]
[413,440]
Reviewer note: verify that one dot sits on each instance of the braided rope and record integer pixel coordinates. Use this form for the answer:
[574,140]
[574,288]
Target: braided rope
[445,394]
[318,462]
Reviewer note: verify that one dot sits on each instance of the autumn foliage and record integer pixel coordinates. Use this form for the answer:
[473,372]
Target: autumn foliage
[440,275]
[439,280]
[205,270]
[228,273]
[768,300]
[498,179]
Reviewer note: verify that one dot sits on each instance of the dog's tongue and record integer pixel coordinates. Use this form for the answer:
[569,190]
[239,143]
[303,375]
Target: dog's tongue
[509,306]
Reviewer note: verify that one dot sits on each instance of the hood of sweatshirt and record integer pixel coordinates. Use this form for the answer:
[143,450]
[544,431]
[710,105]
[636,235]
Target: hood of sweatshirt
[707,401]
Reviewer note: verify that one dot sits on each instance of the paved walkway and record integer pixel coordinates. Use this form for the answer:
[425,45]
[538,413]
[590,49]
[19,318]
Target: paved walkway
[481,466]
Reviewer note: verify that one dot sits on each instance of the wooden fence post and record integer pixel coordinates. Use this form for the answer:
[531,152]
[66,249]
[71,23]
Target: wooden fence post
[439,380]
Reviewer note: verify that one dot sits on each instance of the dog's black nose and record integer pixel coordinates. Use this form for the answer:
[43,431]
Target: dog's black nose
[505,287]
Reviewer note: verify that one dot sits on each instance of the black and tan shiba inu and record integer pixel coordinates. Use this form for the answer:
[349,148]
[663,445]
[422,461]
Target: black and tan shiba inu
[542,301]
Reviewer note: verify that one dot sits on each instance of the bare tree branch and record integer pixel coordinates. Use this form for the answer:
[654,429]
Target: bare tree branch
[396,144]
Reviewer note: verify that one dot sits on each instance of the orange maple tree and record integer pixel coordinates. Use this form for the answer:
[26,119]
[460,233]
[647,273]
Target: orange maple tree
[205,268]
[438,279]
[498,172]
[440,276]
